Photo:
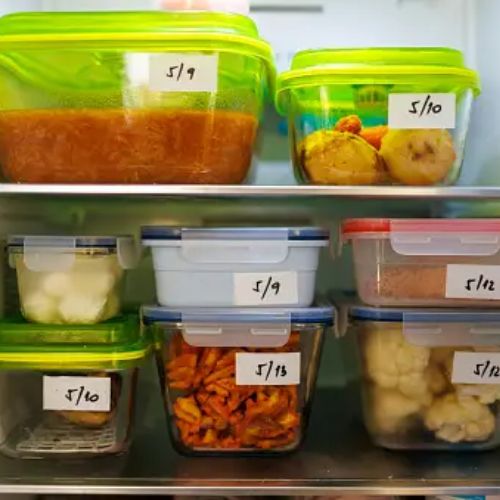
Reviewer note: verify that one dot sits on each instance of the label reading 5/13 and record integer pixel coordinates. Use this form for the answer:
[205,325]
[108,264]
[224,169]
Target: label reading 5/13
[268,369]
[420,111]
[472,282]
[172,72]
[76,393]
[476,368]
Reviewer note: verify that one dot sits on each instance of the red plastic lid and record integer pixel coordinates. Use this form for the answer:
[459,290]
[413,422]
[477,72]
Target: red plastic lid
[358,227]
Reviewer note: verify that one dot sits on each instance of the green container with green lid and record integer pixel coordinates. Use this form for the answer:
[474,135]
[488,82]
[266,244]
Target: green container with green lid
[131,97]
[70,390]
[378,116]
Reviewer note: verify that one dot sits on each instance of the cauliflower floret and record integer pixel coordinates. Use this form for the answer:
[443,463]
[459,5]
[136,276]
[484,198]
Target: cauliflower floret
[39,307]
[484,393]
[456,419]
[390,412]
[393,363]
[56,284]
[82,308]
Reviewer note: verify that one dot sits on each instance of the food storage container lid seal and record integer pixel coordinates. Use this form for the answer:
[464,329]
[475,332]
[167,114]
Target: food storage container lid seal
[374,66]
[430,237]
[57,253]
[114,344]
[434,327]
[261,328]
[250,233]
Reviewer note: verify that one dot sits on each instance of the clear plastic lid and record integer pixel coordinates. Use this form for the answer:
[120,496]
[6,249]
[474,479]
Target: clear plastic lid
[58,253]
[234,234]
[230,327]
[429,237]
[437,327]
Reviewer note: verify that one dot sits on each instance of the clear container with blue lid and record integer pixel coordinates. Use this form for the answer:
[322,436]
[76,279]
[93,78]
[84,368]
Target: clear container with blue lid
[237,381]
[431,377]
[70,279]
[235,267]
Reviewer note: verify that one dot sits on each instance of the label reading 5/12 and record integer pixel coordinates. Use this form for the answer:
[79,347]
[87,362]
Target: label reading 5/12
[254,289]
[472,282]
[268,369]
[420,111]
[476,368]
[172,72]
[76,393]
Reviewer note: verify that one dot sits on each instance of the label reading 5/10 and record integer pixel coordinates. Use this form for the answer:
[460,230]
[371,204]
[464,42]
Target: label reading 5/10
[472,282]
[254,289]
[76,393]
[268,369]
[172,72]
[476,368]
[420,111]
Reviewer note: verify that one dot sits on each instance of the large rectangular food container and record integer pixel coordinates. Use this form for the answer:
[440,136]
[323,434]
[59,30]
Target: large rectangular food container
[431,378]
[431,262]
[378,116]
[70,279]
[238,381]
[223,267]
[68,391]
[130,97]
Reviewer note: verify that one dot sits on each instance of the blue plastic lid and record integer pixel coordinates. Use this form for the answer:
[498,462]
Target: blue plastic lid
[309,315]
[249,233]
[366,313]
[53,241]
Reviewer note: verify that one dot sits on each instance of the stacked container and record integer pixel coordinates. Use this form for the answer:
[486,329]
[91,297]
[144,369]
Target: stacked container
[431,374]
[238,345]
[68,373]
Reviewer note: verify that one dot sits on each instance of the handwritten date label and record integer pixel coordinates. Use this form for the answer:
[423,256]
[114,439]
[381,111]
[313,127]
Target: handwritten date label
[419,111]
[172,72]
[473,282]
[268,369]
[254,289]
[476,368]
[76,393]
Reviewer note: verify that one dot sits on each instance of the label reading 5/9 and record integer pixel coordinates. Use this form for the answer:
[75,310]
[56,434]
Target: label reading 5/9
[268,369]
[76,393]
[422,111]
[254,289]
[472,282]
[476,368]
[172,72]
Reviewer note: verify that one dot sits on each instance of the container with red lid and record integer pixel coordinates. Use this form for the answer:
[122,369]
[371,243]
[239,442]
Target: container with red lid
[431,262]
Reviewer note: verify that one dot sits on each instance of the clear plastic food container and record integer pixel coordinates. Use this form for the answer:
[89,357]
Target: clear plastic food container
[131,97]
[238,381]
[70,279]
[378,116]
[431,379]
[222,267]
[431,262]
[68,391]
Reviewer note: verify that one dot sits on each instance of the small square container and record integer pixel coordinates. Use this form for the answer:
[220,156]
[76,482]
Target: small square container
[238,381]
[378,116]
[68,391]
[431,378]
[131,97]
[431,262]
[225,267]
[70,279]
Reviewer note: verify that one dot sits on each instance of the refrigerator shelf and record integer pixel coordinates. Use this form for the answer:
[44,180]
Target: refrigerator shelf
[247,191]
[337,458]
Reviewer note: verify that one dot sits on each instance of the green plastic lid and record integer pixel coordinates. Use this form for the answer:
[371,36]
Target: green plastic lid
[385,66]
[191,30]
[115,344]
